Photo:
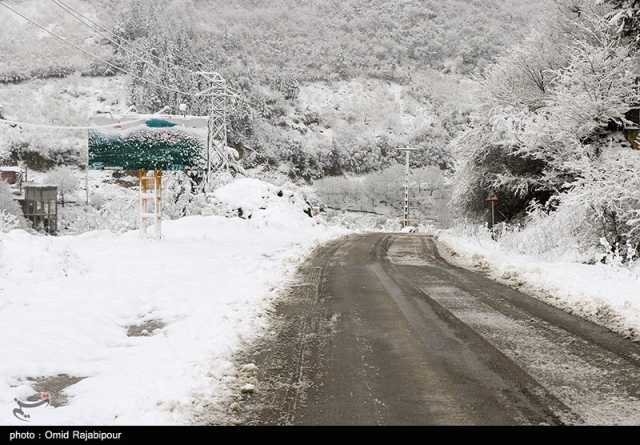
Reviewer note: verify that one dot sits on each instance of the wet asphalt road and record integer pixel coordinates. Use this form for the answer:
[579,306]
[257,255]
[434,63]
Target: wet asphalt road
[380,329]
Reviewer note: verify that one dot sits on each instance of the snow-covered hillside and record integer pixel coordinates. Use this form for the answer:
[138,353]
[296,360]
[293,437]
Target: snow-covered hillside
[365,109]
[73,101]
[30,52]
[148,327]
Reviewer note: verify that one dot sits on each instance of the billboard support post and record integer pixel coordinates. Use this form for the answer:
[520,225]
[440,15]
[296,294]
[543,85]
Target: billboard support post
[145,148]
[150,203]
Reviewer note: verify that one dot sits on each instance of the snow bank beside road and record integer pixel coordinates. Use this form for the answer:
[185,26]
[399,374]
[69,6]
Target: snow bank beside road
[607,295]
[150,326]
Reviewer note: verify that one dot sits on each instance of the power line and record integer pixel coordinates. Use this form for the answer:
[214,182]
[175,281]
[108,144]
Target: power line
[64,127]
[105,33]
[64,41]
[69,127]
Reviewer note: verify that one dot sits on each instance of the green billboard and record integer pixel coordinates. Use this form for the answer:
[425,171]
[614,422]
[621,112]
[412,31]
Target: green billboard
[158,144]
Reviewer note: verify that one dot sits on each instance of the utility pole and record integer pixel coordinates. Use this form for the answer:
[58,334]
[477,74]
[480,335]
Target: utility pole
[86,173]
[86,185]
[405,214]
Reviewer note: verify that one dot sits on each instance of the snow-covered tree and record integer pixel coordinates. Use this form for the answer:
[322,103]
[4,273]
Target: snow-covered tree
[10,213]
[590,98]
[525,74]
[179,195]
[65,179]
[164,32]
[6,199]
[610,190]
[564,150]
[626,17]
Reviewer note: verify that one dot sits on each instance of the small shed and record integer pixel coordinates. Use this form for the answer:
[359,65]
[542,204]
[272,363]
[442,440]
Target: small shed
[40,206]
[10,175]
[632,132]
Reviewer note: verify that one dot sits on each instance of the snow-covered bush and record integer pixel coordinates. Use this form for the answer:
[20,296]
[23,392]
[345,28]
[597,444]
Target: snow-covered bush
[564,233]
[181,196]
[363,222]
[597,219]
[382,193]
[65,178]
[385,186]
[10,213]
[38,152]
[546,235]
[489,162]
[6,198]
[611,189]
[8,221]
[117,214]
[469,229]
[625,16]
[338,192]
[7,201]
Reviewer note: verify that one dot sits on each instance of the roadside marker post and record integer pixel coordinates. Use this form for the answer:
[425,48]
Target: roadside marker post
[492,199]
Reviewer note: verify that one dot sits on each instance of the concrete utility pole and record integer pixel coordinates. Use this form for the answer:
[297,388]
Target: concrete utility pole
[86,174]
[405,216]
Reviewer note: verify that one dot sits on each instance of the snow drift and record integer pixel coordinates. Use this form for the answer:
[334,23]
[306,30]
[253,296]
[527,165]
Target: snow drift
[146,328]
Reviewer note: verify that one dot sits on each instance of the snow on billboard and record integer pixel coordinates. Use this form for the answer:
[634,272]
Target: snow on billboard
[156,143]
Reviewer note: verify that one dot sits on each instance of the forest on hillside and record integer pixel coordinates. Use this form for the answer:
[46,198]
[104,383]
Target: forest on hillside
[269,52]
[556,138]
[285,41]
[308,40]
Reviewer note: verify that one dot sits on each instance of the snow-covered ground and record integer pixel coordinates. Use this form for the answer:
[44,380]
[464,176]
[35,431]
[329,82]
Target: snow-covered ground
[150,326]
[606,294]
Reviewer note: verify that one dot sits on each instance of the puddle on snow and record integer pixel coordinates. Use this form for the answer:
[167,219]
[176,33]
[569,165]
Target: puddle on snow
[145,329]
[55,386]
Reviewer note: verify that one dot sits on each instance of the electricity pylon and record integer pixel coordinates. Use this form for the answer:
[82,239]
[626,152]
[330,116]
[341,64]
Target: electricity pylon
[217,152]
